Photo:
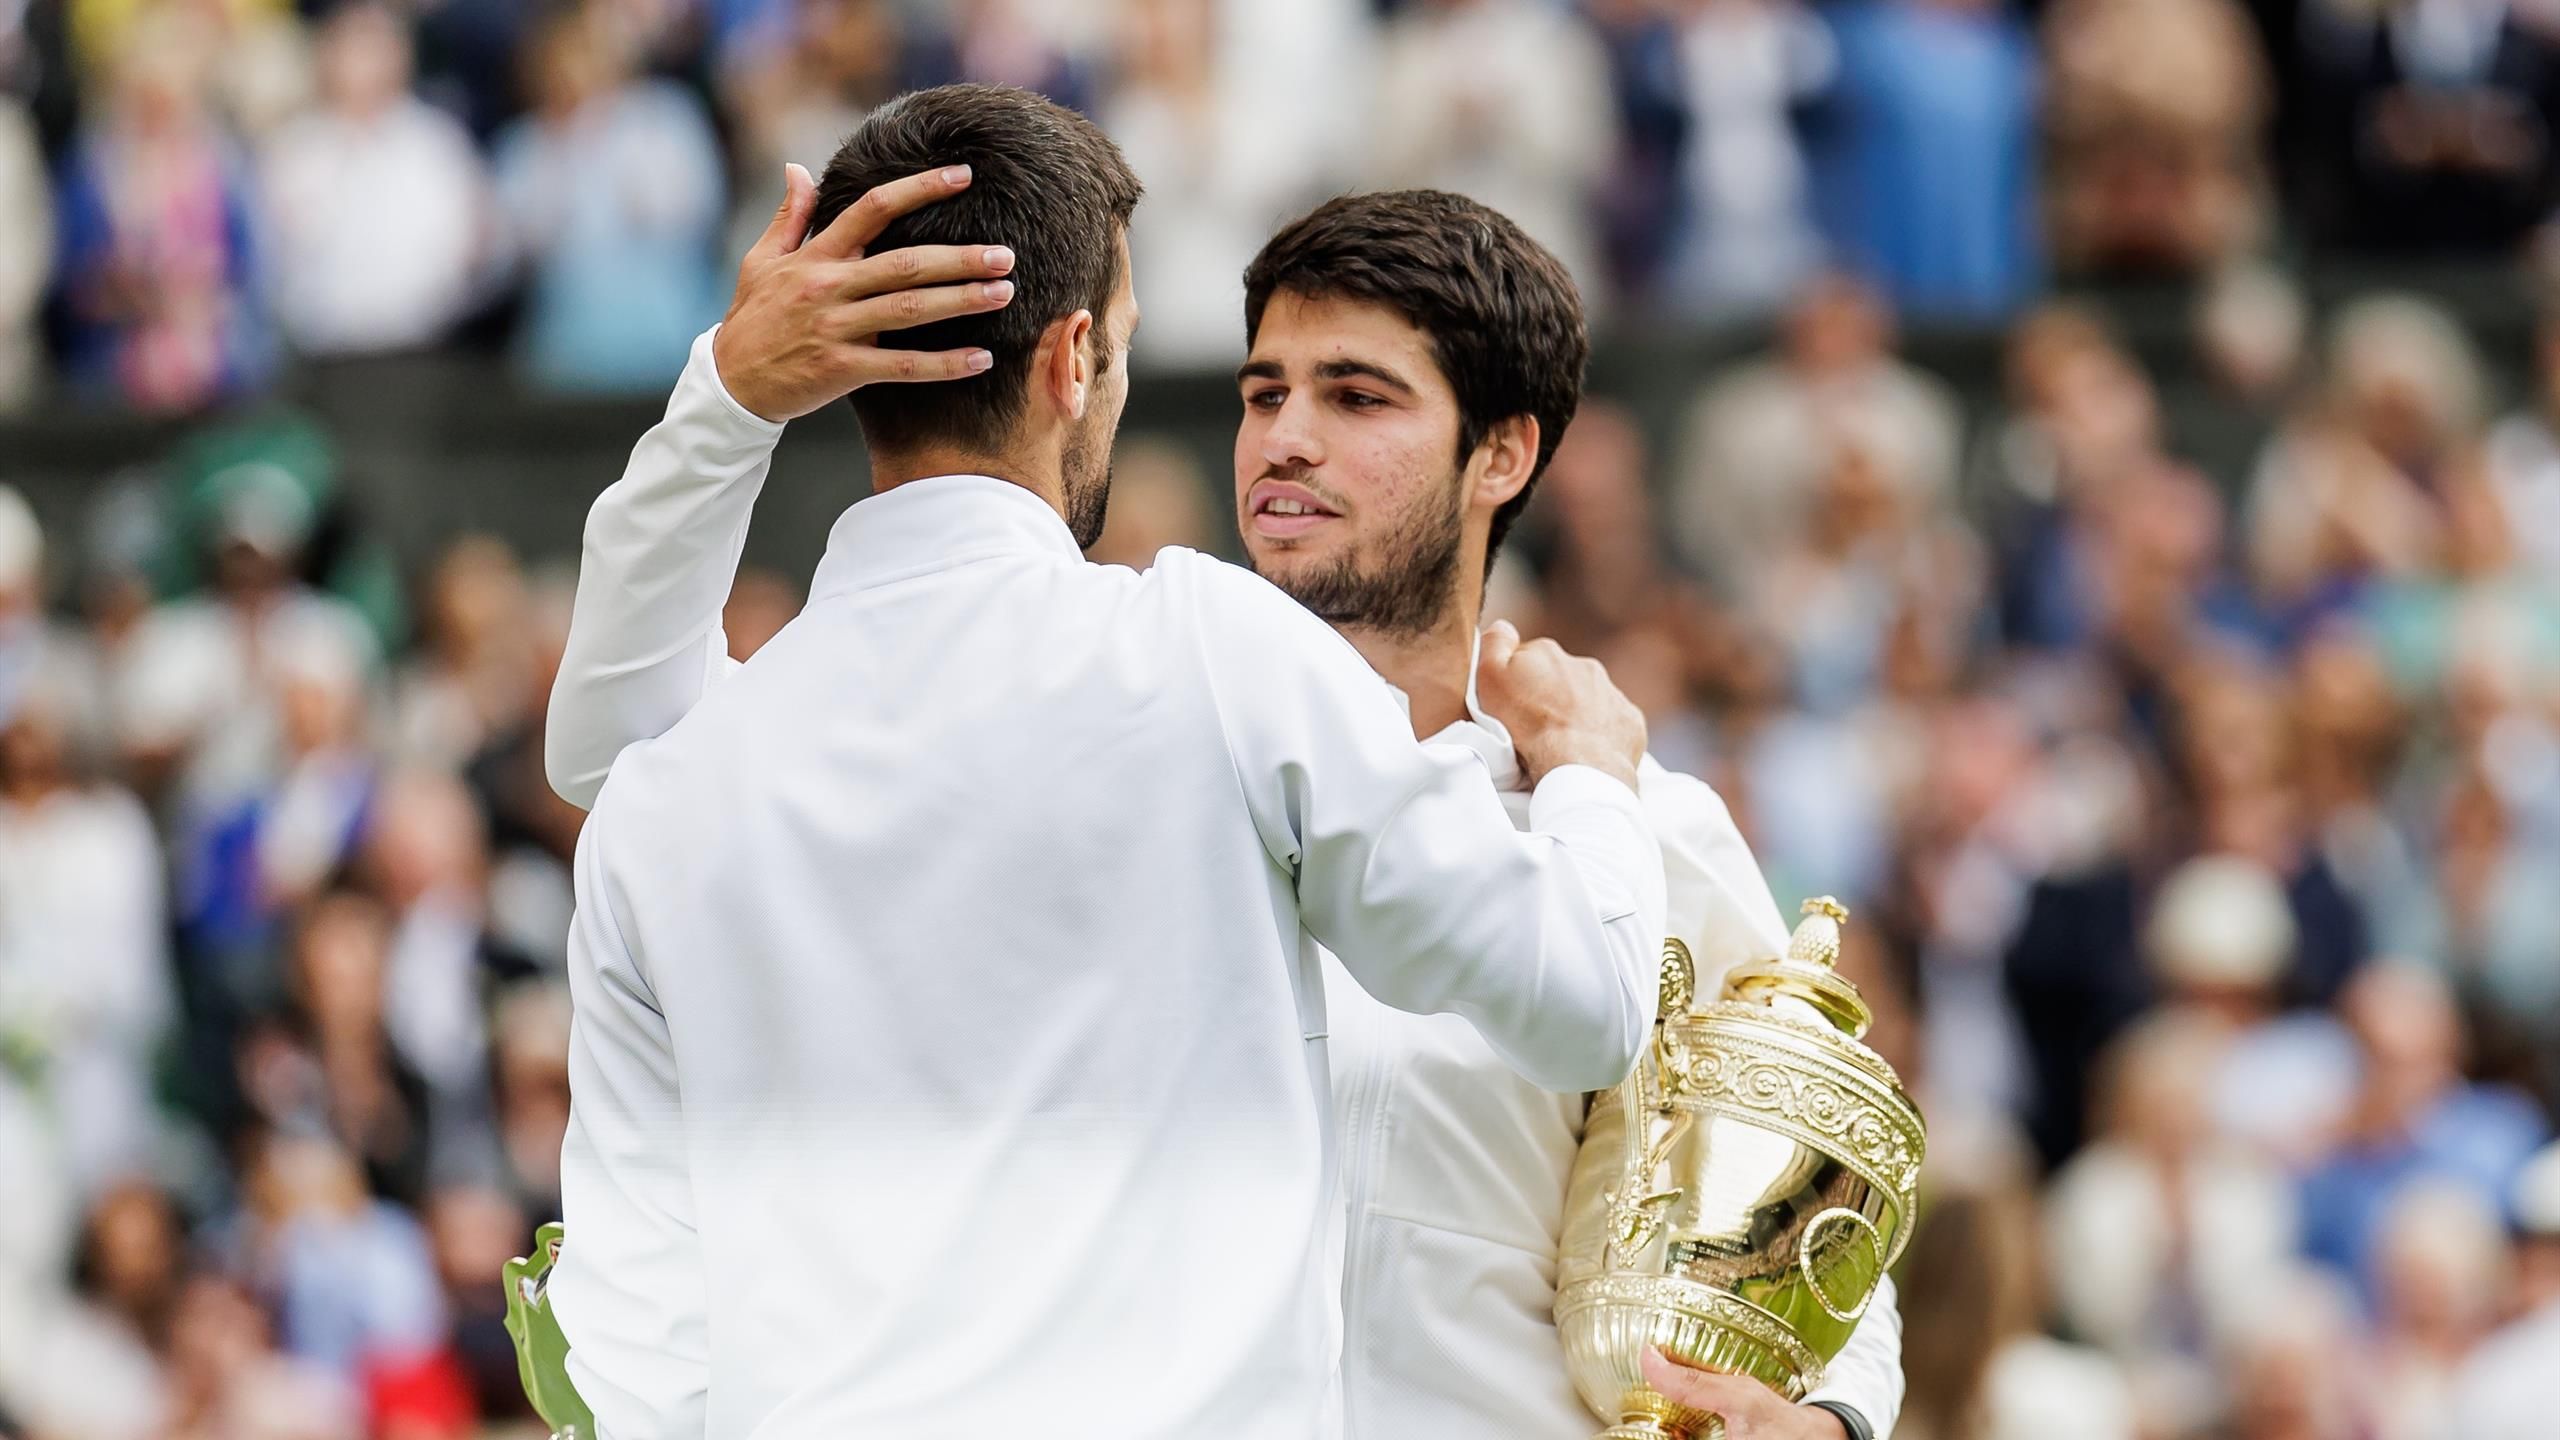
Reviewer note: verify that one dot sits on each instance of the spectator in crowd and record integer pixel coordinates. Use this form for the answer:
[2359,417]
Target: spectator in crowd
[612,189]
[1197,86]
[349,1276]
[427,853]
[2414,1119]
[467,685]
[1640,204]
[530,1035]
[196,685]
[26,253]
[1758,437]
[159,271]
[476,1231]
[229,1380]
[1928,166]
[85,980]
[1010,42]
[1746,236]
[250,863]
[2357,488]
[2523,459]
[381,224]
[2221,941]
[92,1364]
[1158,498]
[257,62]
[2297,1366]
[322,1062]
[1506,102]
[2424,127]
[797,81]
[2504,1391]
[2440,1261]
[2170,1233]
[1978,1366]
[2155,122]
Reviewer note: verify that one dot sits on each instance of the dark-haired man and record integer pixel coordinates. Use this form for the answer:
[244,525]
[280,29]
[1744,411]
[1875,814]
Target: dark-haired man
[1413,360]
[948,1046]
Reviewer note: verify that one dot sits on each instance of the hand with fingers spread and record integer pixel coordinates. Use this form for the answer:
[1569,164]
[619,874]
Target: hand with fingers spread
[805,324]
[1749,1409]
[1561,709]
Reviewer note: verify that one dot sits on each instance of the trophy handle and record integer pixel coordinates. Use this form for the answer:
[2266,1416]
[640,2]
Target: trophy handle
[1823,1235]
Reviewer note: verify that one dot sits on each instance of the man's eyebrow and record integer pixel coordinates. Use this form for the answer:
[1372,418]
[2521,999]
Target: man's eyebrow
[1359,369]
[1260,370]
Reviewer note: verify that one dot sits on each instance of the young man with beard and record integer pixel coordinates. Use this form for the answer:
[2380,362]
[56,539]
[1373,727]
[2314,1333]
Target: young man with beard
[948,1046]
[1414,359]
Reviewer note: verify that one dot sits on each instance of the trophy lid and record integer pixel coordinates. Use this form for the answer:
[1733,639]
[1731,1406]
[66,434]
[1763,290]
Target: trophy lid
[1806,974]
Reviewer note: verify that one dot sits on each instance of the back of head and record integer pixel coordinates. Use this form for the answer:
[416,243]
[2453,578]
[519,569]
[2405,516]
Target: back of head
[1045,183]
[1503,316]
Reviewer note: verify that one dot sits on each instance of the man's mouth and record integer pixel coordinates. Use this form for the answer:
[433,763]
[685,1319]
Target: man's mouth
[1282,511]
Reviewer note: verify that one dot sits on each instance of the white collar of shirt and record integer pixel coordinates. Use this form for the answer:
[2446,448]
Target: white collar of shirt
[1478,732]
[933,524]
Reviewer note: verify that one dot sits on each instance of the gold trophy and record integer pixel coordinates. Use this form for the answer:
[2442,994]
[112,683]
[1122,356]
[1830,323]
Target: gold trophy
[1738,1198]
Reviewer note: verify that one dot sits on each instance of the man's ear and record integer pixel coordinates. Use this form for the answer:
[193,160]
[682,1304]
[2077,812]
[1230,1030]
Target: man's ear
[1504,460]
[1063,363]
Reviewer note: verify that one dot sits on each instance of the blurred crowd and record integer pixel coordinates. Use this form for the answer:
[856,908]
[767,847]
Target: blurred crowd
[2193,772]
[195,192]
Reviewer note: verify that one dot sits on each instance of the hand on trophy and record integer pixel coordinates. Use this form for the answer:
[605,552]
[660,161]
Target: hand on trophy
[1749,1409]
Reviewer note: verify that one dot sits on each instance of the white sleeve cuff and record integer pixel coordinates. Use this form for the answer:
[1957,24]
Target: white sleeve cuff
[702,376]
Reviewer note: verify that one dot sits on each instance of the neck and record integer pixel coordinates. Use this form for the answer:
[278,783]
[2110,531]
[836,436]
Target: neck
[891,469]
[1432,667]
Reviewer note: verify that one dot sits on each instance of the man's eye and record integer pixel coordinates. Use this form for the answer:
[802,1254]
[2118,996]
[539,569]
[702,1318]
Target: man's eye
[1361,400]
[1264,399]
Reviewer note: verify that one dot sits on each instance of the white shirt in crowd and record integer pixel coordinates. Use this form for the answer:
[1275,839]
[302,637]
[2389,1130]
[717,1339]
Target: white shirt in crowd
[1454,1168]
[949,1037]
[381,227]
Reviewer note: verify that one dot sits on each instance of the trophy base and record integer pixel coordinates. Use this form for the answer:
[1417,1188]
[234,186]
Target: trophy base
[1649,1429]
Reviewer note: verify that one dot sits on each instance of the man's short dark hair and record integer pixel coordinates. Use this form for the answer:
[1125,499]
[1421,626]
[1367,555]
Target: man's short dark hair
[1504,319]
[1043,181]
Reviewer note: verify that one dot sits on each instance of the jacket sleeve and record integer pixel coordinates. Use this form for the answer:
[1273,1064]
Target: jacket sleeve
[660,553]
[1408,868]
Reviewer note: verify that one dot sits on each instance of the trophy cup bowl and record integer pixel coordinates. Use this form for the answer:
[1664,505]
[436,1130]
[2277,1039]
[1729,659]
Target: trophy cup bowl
[1738,1198]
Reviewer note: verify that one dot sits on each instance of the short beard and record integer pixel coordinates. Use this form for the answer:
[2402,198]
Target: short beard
[1086,474]
[1409,589]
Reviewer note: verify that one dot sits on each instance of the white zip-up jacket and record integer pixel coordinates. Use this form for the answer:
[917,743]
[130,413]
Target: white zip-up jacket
[1453,1169]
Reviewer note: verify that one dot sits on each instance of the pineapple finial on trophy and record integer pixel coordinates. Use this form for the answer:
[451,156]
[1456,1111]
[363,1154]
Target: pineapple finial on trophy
[1817,937]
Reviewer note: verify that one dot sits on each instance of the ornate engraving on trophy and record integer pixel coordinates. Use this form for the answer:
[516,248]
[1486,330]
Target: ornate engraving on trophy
[1738,1198]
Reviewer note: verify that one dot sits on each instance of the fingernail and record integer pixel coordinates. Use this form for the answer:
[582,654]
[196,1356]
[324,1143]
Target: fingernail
[956,175]
[1000,291]
[999,258]
[982,360]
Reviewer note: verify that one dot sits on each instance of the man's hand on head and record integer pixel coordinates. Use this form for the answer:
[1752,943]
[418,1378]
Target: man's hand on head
[1750,1410]
[804,326]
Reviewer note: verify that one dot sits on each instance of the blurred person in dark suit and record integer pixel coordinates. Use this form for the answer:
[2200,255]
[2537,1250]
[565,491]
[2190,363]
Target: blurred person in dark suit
[2424,127]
